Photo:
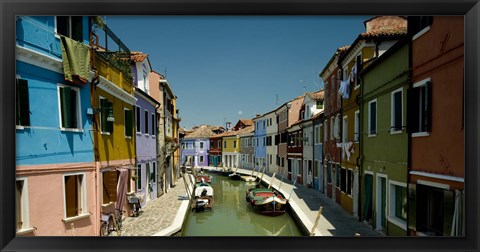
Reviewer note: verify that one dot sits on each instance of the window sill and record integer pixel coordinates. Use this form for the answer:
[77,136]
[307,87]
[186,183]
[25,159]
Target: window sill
[396,132]
[373,135]
[420,33]
[79,217]
[398,222]
[25,231]
[128,137]
[139,133]
[72,130]
[421,134]
[19,127]
[105,133]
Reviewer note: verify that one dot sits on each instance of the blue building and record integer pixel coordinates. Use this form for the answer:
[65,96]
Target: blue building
[260,141]
[55,168]
[196,145]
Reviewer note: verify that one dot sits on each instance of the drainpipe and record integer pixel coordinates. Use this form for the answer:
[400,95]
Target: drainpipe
[359,101]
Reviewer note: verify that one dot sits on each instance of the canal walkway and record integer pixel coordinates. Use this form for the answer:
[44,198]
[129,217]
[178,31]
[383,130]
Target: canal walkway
[164,216]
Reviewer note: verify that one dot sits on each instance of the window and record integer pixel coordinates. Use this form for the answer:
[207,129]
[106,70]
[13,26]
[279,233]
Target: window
[154,172]
[128,123]
[22,103]
[345,129]
[201,145]
[396,113]
[106,116]
[372,118]
[234,143]
[320,104]
[343,180]
[219,144]
[329,173]
[139,177]
[315,170]
[417,25]
[224,144]
[21,210]
[420,107]
[332,124]
[69,101]
[357,126]
[75,203]
[146,122]
[320,134]
[110,180]
[317,134]
[358,69]
[70,26]
[138,118]
[153,125]
[270,158]
[398,203]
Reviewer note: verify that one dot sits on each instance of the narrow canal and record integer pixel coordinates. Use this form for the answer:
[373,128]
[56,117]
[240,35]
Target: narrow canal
[231,215]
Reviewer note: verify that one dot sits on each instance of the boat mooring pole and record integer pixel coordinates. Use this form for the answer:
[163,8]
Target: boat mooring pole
[271,181]
[293,186]
[283,174]
[312,233]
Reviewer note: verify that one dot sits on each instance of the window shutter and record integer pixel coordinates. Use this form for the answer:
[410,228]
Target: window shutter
[73,109]
[128,123]
[71,195]
[428,107]
[109,124]
[23,103]
[412,110]
[65,102]
[109,187]
[103,114]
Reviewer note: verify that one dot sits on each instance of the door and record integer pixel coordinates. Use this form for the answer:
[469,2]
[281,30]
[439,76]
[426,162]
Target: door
[381,203]
[368,195]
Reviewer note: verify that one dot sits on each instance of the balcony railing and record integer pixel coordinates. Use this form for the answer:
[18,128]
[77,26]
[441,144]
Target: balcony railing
[111,49]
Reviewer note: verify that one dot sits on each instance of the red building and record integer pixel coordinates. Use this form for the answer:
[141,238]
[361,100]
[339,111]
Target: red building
[436,126]
[332,76]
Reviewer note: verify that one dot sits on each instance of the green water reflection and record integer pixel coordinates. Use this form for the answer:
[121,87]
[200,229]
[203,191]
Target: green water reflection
[231,215]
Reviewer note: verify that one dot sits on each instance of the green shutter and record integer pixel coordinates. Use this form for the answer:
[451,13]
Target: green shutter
[109,124]
[65,101]
[73,109]
[103,114]
[128,123]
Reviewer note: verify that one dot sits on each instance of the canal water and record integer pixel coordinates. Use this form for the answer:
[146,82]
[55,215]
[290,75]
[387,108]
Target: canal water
[231,215]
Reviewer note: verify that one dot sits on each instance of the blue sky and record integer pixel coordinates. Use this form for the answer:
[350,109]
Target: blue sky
[223,68]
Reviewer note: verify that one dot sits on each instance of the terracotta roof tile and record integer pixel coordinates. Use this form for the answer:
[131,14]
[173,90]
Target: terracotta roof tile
[138,56]
[385,32]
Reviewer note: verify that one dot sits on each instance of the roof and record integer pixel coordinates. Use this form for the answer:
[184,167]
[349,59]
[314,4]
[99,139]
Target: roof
[138,56]
[247,122]
[316,95]
[338,52]
[204,131]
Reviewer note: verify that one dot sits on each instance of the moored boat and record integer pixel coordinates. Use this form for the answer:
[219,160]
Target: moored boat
[203,196]
[205,177]
[266,201]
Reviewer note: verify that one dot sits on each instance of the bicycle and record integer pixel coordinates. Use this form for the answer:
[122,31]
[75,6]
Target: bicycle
[108,223]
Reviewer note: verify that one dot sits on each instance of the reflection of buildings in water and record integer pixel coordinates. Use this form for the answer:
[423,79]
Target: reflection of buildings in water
[202,217]
[272,226]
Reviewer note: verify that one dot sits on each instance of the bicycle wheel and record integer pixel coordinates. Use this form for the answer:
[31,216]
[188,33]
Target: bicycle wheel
[111,225]
[104,229]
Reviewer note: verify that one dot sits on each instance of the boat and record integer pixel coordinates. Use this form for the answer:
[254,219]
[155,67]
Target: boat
[266,201]
[235,176]
[203,196]
[272,205]
[205,177]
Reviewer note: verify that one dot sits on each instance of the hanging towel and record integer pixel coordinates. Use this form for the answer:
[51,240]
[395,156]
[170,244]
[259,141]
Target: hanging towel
[76,60]
[346,94]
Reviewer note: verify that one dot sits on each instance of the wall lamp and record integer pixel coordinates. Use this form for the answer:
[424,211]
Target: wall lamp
[94,111]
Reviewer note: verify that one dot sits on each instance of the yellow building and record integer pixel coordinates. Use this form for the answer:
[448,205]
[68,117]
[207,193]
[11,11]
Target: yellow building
[231,149]
[113,125]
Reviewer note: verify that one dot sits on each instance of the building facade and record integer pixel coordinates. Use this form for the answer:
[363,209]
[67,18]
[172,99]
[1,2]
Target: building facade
[55,165]
[436,127]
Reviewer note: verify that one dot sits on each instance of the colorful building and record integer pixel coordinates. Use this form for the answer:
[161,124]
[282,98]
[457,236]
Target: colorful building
[436,127]
[294,139]
[318,174]
[384,147]
[380,34]
[282,113]
[55,165]
[113,101]
[260,142]
[246,147]
[272,158]
[195,146]
[331,76]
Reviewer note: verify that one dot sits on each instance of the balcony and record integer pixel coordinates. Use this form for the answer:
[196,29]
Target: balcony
[112,57]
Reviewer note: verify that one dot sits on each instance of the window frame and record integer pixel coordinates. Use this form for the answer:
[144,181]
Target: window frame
[391,215]
[138,118]
[356,135]
[82,201]
[78,115]
[102,110]
[70,28]
[19,110]
[126,124]
[425,83]
[23,204]
[393,130]
[146,115]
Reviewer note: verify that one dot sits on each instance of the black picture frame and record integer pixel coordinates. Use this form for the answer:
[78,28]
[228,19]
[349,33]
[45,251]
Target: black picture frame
[10,8]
